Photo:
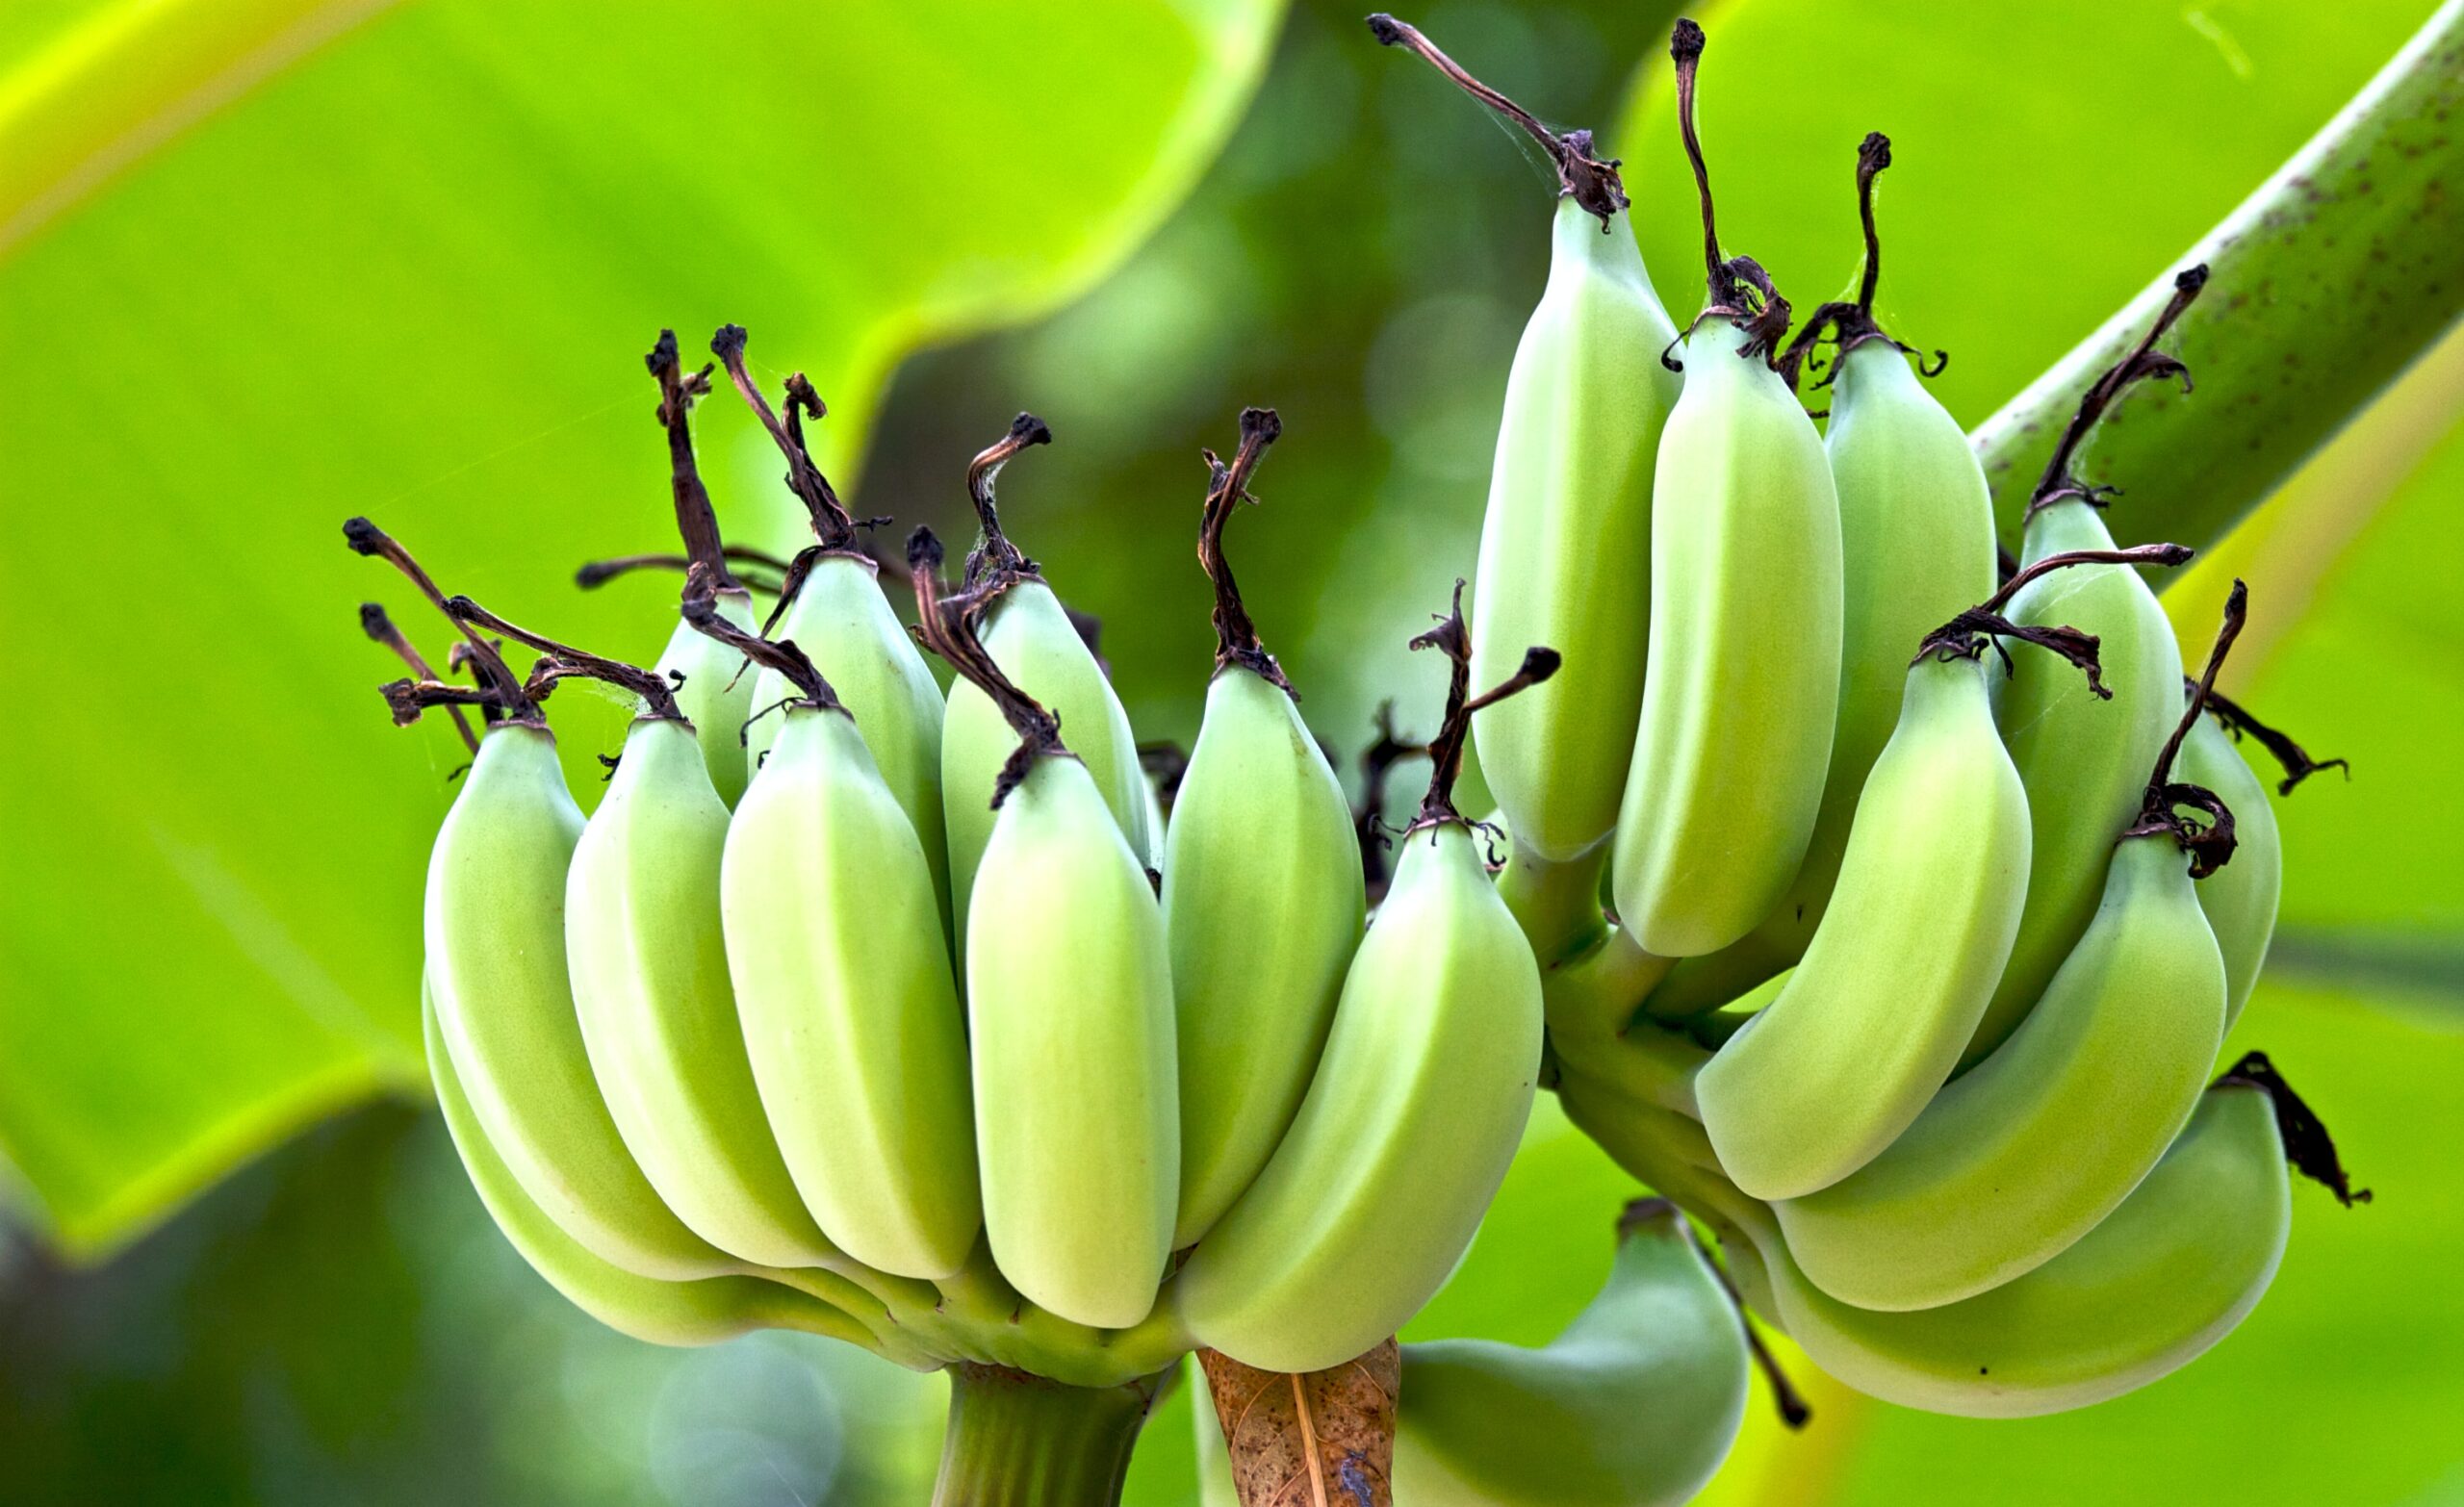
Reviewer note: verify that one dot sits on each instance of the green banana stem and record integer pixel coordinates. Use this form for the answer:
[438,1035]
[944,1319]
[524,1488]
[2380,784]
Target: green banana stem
[1556,904]
[2350,257]
[1020,1440]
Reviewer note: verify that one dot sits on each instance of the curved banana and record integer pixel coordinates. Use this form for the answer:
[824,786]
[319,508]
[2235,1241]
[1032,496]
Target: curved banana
[2083,761]
[2167,1274]
[1745,560]
[1069,1005]
[1415,1110]
[1570,504]
[697,1312]
[857,1043]
[1635,1404]
[1870,1024]
[710,688]
[2238,899]
[1916,546]
[2032,1148]
[494,923]
[1263,892]
[830,605]
[1037,649]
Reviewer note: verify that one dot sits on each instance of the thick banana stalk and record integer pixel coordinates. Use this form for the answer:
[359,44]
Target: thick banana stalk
[1415,1110]
[697,1312]
[2034,1147]
[1871,1023]
[1263,893]
[2083,759]
[2238,899]
[648,956]
[1718,808]
[1069,1005]
[1037,649]
[831,606]
[1570,503]
[857,1043]
[1915,545]
[1634,1405]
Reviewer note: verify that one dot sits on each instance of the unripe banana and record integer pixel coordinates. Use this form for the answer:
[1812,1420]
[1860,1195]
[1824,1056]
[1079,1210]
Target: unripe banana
[2031,1149]
[833,937]
[2167,1275]
[494,922]
[2083,761]
[1415,1109]
[1037,649]
[710,689]
[698,1313]
[2238,899]
[1570,504]
[1263,897]
[831,606]
[1069,1005]
[1917,545]
[1718,808]
[1635,1404]
[1850,1049]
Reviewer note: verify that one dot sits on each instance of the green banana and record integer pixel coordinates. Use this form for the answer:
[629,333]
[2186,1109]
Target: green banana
[698,1313]
[2035,1146]
[1414,1111]
[2167,1275]
[649,965]
[1637,1403]
[1848,1053]
[2082,760]
[1263,891]
[709,686]
[2240,899]
[495,930]
[1069,1005]
[1570,504]
[1917,545]
[1036,647]
[830,605]
[1745,560]
[859,1047]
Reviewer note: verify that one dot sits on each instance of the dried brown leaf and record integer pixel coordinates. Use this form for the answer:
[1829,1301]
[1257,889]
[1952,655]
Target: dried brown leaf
[1323,1440]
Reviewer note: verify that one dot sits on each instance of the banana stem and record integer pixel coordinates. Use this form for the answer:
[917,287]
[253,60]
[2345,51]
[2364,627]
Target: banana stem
[1556,904]
[1019,1440]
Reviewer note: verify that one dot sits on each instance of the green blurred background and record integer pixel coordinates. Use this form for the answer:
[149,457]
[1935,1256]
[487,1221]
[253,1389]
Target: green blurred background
[268,263]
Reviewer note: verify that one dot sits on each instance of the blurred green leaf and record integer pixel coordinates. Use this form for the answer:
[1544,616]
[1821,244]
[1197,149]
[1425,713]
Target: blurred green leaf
[412,276]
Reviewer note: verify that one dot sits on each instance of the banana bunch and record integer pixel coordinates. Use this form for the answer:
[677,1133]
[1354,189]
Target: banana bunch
[908,1019]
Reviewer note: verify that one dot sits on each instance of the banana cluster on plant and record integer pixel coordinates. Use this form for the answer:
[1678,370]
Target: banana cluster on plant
[1868,901]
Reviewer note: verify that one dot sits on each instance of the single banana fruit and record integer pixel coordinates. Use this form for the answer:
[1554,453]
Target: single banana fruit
[1718,808]
[830,605]
[1635,1404]
[1916,546]
[2034,1147]
[1850,1051]
[1570,504]
[2083,761]
[1036,647]
[857,1042]
[698,1313]
[710,688]
[1069,1005]
[1415,1110]
[2168,1273]
[1263,891]
[494,922]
